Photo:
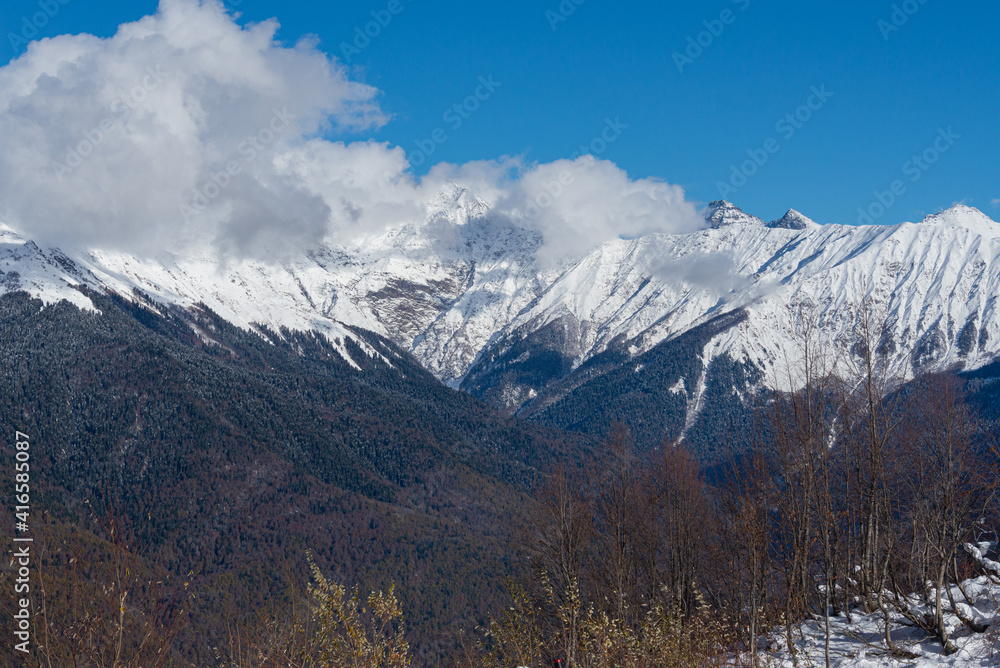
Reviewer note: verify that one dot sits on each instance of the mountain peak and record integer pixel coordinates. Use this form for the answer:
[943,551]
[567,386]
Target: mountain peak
[967,217]
[721,213]
[793,220]
[457,204]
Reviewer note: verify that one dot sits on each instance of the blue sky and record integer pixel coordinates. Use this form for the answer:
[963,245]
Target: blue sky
[563,74]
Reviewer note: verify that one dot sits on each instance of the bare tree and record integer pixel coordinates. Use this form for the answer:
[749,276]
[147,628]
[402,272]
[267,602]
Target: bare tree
[685,523]
[563,534]
[800,426]
[615,509]
[744,545]
[950,480]
[873,412]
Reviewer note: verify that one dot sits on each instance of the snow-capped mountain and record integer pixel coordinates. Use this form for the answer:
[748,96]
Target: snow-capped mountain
[461,288]
[722,214]
[793,220]
[936,281]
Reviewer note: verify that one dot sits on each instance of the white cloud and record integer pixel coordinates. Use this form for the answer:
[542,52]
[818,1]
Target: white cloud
[185,127]
[577,204]
[995,202]
[104,139]
[574,205]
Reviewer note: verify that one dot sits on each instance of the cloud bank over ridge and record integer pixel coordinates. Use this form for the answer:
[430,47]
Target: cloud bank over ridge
[185,129]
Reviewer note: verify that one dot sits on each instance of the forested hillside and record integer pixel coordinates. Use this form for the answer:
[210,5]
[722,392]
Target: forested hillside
[667,393]
[231,453]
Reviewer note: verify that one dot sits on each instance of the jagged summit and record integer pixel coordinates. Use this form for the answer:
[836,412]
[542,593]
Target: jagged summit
[793,220]
[457,204]
[721,213]
[966,217]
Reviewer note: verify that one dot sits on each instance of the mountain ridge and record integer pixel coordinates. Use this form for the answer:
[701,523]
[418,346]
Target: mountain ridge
[463,286]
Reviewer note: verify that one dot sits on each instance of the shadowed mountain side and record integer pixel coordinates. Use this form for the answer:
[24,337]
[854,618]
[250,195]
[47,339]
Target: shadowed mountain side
[232,454]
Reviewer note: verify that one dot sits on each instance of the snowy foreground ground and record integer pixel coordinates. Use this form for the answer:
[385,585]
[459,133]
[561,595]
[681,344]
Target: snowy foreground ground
[859,643]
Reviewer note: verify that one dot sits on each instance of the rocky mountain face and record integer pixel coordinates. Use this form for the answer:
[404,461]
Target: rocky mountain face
[462,291]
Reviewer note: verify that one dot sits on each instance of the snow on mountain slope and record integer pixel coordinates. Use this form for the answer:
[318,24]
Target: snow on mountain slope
[793,220]
[438,286]
[298,296]
[937,280]
[721,213]
[965,217]
[464,280]
[50,277]
[246,294]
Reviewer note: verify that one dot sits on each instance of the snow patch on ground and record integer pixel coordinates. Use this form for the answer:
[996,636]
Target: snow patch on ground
[858,643]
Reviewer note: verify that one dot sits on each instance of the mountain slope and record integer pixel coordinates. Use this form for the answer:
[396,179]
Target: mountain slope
[462,291]
[936,281]
[233,455]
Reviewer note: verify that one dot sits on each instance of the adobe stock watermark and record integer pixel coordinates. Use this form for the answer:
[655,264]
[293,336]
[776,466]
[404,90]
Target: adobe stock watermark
[250,148]
[455,117]
[900,16]
[30,25]
[552,190]
[914,168]
[363,35]
[698,44]
[562,13]
[22,557]
[120,109]
[787,127]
